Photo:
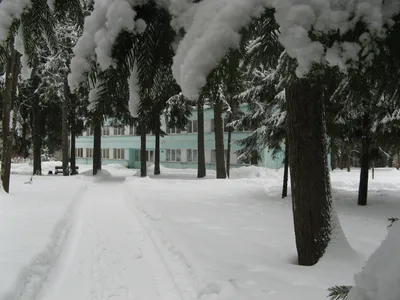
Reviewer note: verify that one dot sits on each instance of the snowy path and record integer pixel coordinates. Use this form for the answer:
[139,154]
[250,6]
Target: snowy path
[108,254]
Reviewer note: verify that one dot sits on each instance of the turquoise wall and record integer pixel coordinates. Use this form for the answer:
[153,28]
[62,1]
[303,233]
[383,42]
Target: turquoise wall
[172,141]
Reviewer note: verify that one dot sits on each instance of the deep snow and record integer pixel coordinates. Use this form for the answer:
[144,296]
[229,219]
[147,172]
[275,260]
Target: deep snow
[174,236]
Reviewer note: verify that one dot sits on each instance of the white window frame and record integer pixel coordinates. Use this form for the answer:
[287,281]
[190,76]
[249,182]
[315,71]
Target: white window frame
[191,155]
[105,153]
[119,154]
[173,155]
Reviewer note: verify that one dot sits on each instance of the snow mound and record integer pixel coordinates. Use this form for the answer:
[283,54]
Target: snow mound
[249,172]
[116,166]
[101,174]
[380,278]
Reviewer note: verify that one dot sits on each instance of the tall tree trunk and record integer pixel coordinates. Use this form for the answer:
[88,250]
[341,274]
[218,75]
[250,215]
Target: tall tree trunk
[73,136]
[12,72]
[65,129]
[348,157]
[229,146]
[36,139]
[286,170]
[365,144]
[309,173]
[341,157]
[143,156]
[73,153]
[157,152]
[254,158]
[96,145]
[219,141]
[201,161]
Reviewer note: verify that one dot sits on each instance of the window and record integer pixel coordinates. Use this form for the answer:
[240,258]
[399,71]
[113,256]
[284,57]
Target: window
[168,155]
[105,153]
[189,127]
[119,130]
[119,153]
[131,130]
[137,154]
[191,155]
[105,130]
[213,156]
[150,155]
[79,152]
[195,155]
[192,126]
[89,152]
[173,129]
[173,155]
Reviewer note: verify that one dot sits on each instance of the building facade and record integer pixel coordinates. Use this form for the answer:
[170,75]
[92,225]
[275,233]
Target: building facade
[178,148]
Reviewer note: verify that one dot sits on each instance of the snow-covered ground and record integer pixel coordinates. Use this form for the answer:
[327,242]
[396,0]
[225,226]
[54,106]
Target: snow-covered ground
[174,236]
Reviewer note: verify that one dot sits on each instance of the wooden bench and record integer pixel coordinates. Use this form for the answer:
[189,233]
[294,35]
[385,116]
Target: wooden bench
[59,169]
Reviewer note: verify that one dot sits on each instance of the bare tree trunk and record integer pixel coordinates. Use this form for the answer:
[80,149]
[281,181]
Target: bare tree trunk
[309,173]
[36,139]
[229,146]
[201,161]
[348,157]
[73,136]
[219,141]
[143,158]
[157,152]
[12,71]
[286,170]
[363,187]
[254,158]
[65,129]
[97,145]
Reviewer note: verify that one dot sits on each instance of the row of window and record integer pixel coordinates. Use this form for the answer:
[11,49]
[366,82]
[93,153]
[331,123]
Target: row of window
[191,127]
[105,153]
[115,130]
[171,155]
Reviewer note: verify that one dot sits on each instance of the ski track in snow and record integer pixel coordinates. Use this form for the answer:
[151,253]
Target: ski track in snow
[109,254]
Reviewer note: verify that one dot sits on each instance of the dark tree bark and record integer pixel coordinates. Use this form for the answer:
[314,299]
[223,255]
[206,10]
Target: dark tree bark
[65,129]
[348,157]
[36,139]
[285,171]
[73,136]
[254,158]
[201,160]
[157,152]
[12,72]
[311,193]
[96,146]
[219,141]
[365,145]
[143,158]
[229,146]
